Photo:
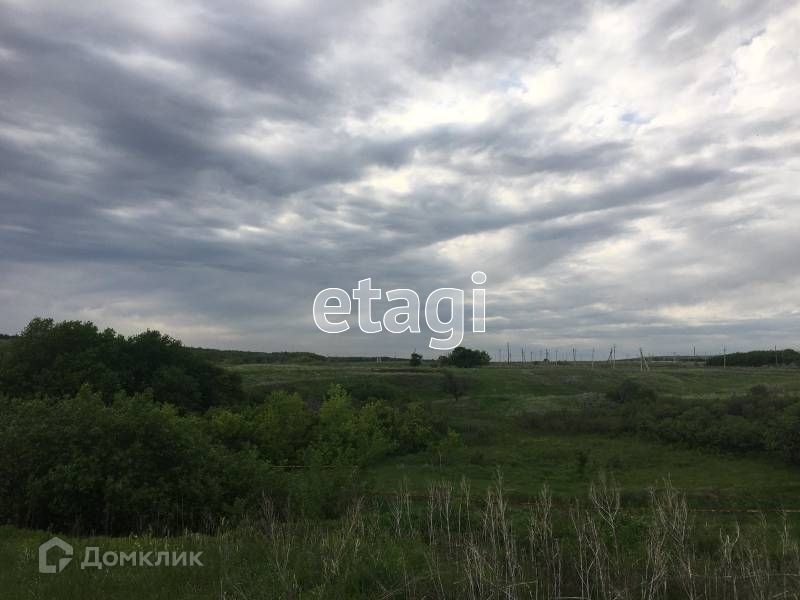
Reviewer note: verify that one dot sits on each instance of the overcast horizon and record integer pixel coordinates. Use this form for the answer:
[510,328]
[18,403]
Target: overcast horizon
[624,173]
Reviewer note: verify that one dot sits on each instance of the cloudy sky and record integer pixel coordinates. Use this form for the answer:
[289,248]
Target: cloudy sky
[623,172]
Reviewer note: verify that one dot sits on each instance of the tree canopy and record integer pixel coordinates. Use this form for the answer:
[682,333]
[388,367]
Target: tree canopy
[466,357]
[57,359]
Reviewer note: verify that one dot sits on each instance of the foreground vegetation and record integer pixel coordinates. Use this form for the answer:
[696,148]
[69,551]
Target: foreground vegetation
[454,545]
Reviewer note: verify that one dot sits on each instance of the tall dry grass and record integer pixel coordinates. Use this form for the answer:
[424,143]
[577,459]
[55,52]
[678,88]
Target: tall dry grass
[453,545]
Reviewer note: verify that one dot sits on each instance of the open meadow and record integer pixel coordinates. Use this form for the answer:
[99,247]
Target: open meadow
[492,419]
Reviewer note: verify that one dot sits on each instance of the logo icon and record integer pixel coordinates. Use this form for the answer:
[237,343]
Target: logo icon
[44,566]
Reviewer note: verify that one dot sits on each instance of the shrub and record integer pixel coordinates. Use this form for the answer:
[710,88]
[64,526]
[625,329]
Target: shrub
[80,463]
[453,385]
[282,427]
[345,435]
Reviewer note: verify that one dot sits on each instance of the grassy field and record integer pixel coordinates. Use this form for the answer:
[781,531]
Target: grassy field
[498,384]
[490,418]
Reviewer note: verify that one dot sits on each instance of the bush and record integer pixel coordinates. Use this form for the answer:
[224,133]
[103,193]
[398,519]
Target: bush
[346,436]
[443,450]
[278,429]
[81,464]
[453,385]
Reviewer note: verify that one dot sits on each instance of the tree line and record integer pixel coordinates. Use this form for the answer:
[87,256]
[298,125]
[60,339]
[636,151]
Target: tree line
[756,358]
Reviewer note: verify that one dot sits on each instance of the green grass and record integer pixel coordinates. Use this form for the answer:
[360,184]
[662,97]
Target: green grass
[498,381]
[20,579]
[311,381]
[527,462]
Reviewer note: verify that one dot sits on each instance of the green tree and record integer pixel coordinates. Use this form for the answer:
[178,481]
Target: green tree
[466,358]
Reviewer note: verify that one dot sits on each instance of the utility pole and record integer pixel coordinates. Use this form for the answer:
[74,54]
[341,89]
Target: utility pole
[508,353]
[593,358]
[643,363]
[574,357]
[724,357]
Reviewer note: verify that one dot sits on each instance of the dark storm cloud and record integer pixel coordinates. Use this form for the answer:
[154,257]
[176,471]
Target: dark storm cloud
[207,168]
